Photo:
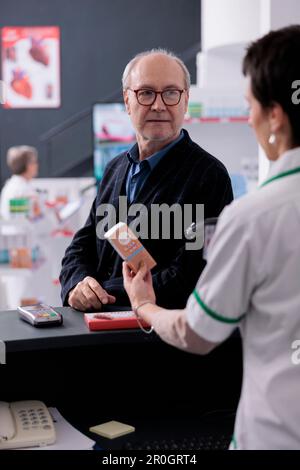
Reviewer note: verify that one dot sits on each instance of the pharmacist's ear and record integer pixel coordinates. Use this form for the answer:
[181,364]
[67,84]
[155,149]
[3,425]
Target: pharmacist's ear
[277,118]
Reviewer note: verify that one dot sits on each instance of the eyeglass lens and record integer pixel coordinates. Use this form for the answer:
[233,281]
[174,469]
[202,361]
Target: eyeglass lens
[169,97]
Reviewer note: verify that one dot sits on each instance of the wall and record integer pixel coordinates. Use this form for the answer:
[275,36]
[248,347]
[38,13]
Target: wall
[98,37]
[229,21]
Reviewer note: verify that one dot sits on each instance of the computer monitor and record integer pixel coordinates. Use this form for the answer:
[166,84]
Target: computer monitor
[112,132]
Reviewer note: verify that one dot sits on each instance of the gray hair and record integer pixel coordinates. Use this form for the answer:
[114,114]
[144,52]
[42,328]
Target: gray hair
[133,62]
[18,158]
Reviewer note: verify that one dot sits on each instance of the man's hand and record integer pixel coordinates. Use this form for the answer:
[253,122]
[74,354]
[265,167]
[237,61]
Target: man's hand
[89,295]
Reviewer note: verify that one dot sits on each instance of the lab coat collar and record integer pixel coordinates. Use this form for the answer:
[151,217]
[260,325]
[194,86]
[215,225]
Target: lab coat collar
[287,161]
[19,178]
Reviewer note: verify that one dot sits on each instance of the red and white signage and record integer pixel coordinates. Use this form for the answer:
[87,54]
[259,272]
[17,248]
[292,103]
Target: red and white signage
[31,66]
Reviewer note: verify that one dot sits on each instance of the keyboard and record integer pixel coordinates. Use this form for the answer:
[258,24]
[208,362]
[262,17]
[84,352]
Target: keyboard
[208,442]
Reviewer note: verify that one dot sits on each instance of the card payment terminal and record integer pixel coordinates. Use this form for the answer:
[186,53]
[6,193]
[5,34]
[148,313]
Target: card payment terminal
[40,315]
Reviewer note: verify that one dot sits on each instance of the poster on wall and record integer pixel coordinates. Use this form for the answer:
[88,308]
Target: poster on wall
[31,66]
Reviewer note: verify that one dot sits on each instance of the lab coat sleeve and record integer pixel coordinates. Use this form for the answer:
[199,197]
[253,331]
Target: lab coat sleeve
[172,327]
[221,299]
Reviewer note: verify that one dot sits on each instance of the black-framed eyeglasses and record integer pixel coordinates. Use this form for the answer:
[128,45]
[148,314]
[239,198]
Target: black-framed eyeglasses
[147,97]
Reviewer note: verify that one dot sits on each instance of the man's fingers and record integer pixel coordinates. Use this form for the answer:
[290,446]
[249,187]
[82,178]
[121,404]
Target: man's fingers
[97,289]
[74,302]
[91,298]
[111,299]
[83,298]
[88,294]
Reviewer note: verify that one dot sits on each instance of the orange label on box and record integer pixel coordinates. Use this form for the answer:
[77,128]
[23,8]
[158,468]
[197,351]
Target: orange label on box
[129,247]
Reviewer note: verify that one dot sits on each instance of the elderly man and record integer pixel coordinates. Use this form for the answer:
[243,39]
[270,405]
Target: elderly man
[164,166]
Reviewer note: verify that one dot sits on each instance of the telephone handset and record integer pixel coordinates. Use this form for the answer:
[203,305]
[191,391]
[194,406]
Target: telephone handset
[25,424]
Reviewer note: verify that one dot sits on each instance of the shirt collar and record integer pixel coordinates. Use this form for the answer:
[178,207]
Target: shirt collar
[133,153]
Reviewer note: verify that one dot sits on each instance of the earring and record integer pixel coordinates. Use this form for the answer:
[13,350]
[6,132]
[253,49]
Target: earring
[272,139]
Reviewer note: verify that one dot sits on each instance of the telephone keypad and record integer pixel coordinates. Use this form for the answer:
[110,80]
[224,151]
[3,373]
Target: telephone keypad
[30,419]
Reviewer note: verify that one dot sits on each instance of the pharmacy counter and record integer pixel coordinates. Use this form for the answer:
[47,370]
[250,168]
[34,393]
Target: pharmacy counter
[20,336]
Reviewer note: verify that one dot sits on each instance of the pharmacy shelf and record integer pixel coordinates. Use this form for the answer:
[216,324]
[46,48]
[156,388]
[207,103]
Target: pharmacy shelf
[7,270]
[216,120]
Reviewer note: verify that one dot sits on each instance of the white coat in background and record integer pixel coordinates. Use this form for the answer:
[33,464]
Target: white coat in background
[15,187]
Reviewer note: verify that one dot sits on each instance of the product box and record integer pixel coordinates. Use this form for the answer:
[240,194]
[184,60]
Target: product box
[128,246]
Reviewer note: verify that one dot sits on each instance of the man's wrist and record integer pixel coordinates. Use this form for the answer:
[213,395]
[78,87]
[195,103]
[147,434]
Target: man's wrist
[69,294]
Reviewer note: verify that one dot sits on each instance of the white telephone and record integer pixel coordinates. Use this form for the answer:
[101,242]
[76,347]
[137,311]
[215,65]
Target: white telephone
[25,424]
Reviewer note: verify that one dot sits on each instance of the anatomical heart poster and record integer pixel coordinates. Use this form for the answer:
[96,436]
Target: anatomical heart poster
[31,66]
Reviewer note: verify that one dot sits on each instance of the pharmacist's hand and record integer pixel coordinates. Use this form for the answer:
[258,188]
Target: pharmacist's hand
[89,295]
[138,286]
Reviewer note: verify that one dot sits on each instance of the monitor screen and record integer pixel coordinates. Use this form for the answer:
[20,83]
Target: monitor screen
[112,132]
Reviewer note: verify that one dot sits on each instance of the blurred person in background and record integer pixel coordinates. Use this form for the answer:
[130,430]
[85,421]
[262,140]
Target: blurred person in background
[23,164]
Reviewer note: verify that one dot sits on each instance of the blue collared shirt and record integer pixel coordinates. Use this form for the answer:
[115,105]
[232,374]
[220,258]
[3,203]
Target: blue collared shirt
[140,170]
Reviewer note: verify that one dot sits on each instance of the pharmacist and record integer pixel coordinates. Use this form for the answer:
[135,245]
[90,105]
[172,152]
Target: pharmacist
[251,280]
[23,164]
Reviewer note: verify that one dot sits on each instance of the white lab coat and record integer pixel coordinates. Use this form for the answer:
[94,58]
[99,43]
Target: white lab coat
[252,280]
[15,187]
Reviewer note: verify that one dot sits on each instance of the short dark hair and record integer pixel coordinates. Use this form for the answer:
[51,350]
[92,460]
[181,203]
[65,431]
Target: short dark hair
[273,64]
[18,158]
